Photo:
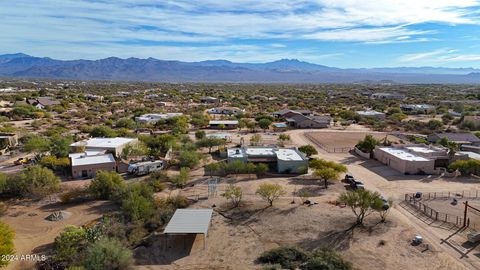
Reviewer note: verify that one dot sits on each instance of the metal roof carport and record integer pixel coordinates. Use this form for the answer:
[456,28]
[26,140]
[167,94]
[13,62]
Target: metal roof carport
[190,221]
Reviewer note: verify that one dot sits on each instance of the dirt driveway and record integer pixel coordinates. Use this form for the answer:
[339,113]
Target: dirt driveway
[391,183]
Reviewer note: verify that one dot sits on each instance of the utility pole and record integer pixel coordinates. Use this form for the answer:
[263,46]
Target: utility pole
[465,214]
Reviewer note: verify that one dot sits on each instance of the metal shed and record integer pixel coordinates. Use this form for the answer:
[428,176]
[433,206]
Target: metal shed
[190,221]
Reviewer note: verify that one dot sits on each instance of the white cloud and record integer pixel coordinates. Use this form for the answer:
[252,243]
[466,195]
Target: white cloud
[82,25]
[438,57]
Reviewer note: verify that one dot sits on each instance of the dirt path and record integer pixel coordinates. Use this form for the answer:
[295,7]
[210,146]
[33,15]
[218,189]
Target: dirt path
[390,183]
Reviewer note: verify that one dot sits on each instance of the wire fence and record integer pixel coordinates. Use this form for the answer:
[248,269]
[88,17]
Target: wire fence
[470,195]
[327,148]
[435,215]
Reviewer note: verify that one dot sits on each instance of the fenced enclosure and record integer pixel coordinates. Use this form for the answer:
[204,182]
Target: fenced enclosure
[435,206]
[326,148]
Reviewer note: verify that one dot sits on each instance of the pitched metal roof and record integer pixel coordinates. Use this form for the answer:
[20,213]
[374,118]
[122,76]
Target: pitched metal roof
[190,221]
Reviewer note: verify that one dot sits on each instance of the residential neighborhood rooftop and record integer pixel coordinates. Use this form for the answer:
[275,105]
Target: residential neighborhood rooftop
[104,142]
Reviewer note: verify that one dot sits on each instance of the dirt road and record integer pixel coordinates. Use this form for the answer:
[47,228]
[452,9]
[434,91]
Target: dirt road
[391,183]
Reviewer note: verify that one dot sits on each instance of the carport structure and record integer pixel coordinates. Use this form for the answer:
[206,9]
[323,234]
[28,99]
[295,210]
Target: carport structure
[190,221]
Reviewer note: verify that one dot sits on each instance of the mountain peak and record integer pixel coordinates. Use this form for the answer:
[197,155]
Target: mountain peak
[13,55]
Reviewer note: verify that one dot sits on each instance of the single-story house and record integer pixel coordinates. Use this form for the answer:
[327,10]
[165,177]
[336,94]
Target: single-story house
[155,117]
[286,113]
[109,145]
[387,96]
[225,110]
[417,108]
[302,121]
[209,100]
[372,114]
[223,124]
[458,138]
[42,102]
[86,165]
[413,159]
[281,160]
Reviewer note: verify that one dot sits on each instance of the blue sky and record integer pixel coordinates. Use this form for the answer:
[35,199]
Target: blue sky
[341,33]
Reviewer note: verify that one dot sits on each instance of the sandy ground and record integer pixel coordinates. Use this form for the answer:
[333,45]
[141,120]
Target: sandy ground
[392,184]
[237,237]
[35,234]
[347,138]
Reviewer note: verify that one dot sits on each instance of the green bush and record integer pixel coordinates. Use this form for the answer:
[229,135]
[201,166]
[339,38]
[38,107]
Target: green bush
[105,184]
[287,257]
[6,242]
[326,259]
[69,244]
[36,182]
[108,253]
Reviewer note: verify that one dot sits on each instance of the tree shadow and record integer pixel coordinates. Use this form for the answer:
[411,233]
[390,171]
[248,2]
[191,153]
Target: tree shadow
[333,239]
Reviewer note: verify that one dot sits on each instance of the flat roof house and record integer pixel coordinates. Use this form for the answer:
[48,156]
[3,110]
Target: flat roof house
[413,159]
[86,165]
[372,114]
[109,145]
[155,117]
[302,121]
[458,138]
[418,108]
[225,110]
[387,96]
[281,160]
[223,124]
[42,102]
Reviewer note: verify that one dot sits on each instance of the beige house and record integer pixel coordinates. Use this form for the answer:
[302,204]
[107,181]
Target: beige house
[109,145]
[413,159]
[86,165]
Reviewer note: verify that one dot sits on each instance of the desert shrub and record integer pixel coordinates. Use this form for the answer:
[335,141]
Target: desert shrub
[326,259]
[73,194]
[367,144]
[287,257]
[105,184]
[138,203]
[181,179]
[190,159]
[6,240]
[136,232]
[35,181]
[108,253]
[3,209]
[69,244]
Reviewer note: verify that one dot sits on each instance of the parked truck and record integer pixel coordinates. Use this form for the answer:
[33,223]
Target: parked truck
[145,167]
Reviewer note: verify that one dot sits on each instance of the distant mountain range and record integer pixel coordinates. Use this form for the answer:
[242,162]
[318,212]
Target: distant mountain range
[20,65]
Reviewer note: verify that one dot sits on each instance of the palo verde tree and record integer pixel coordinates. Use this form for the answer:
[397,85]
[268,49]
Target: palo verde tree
[327,170]
[105,184]
[234,194]
[308,150]
[270,192]
[361,201]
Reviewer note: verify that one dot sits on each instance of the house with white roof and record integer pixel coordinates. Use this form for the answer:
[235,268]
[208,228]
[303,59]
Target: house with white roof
[86,165]
[281,160]
[372,114]
[414,159]
[155,117]
[108,145]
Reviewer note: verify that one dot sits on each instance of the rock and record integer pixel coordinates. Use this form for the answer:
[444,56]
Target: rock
[59,215]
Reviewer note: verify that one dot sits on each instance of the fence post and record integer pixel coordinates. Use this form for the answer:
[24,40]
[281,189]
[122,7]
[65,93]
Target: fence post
[436,215]
[449,194]
[435,195]
[456,223]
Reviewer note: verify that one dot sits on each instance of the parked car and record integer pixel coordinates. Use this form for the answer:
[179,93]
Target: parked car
[357,185]
[21,161]
[349,178]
